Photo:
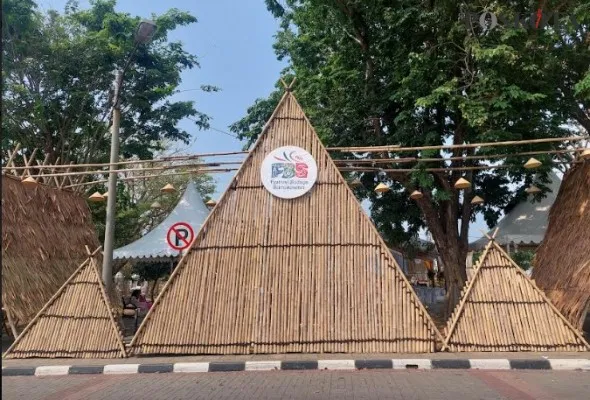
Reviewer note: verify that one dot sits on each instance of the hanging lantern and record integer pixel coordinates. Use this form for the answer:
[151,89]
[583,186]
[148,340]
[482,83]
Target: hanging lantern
[477,200]
[462,183]
[585,154]
[356,182]
[211,203]
[155,205]
[96,197]
[416,194]
[29,182]
[532,190]
[105,194]
[168,189]
[532,163]
[382,188]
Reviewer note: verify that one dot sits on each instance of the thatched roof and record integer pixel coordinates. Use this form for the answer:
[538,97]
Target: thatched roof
[562,262]
[273,275]
[77,322]
[502,309]
[526,223]
[44,233]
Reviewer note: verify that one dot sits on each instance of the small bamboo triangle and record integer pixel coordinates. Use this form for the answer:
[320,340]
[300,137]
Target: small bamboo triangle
[76,322]
[502,309]
[269,275]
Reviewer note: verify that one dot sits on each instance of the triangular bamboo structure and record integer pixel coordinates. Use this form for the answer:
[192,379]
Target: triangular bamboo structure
[269,275]
[502,309]
[76,322]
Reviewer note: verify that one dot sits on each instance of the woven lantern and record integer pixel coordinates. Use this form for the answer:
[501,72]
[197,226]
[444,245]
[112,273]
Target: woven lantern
[105,195]
[532,163]
[462,183]
[416,194]
[29,182]
[477,200]
[382,188]
[156,205]
[355,183]
[211,203]
[532,189]
[96,197]
[585,154]
[168,189]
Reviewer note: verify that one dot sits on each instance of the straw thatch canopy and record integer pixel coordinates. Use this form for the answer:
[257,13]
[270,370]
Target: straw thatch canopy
[44,233]
[562,263]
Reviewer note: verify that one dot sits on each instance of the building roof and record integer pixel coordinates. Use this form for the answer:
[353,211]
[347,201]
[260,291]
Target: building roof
[190,209]
[527,222]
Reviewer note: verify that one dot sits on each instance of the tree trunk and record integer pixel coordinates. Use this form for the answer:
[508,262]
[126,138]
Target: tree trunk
[454,262]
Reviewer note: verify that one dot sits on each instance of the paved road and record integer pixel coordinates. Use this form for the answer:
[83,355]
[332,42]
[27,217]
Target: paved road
[406,385]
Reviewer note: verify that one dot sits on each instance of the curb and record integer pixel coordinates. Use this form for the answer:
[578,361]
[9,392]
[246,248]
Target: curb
[490,364]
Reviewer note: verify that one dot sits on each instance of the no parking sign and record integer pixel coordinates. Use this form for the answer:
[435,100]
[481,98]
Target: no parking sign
[180,236]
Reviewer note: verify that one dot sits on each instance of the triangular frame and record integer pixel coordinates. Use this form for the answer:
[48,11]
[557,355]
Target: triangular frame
[460,309]
[90,262]
[181,265]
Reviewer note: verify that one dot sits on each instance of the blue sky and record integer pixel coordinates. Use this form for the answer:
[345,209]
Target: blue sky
[233,40]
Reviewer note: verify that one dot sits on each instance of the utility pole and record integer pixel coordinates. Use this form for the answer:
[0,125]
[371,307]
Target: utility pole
[144,34]
[109,234]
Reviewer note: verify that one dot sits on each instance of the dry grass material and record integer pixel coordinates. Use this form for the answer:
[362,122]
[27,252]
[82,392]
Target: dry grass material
[77,322]
[269,275]
[44,233]
[562,262]
[502,309]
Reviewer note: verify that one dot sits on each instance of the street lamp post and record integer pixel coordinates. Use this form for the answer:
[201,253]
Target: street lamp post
[145,32]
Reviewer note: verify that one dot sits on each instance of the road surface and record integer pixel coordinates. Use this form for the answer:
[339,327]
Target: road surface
[367,384]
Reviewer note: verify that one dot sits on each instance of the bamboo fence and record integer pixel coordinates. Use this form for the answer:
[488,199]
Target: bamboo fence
[502,309]
[269,275]
[76,322]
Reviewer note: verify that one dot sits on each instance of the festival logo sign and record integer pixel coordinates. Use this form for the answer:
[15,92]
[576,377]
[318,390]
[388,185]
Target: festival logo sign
[288,172]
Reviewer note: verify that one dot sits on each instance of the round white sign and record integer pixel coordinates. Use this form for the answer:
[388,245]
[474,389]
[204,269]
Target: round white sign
[288,172]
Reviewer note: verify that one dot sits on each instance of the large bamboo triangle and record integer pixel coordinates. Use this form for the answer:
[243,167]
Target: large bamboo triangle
[269,275]
[502,309]
[76,322]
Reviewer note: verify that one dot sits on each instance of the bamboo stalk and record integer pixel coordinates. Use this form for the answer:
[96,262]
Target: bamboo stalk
[398,148]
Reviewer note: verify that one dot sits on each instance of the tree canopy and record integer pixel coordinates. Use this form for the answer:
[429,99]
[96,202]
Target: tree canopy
[416,73]
[57,75]
[58,70]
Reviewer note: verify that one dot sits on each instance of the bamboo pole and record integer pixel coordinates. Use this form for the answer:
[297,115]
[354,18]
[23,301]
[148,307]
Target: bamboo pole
[398,148]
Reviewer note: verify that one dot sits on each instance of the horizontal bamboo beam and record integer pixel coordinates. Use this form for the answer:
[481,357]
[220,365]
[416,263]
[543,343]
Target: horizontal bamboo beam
[481,167]
[418,159]
[397,148]
[134,178]
[161,168]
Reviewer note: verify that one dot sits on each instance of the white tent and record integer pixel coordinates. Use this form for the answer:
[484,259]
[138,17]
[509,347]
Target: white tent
[526,223]
[190,210]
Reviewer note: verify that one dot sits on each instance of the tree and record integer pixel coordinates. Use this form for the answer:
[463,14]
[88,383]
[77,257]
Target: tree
[57,80]
[415,73]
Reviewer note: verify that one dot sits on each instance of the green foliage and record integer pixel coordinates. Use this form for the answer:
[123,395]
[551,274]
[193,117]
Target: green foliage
[57,80]
[523,258]
[57,97]
[412,73]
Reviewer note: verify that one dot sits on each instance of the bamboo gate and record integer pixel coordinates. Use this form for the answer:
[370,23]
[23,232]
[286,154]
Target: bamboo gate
[269,275]
[502,309]
[77,321]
